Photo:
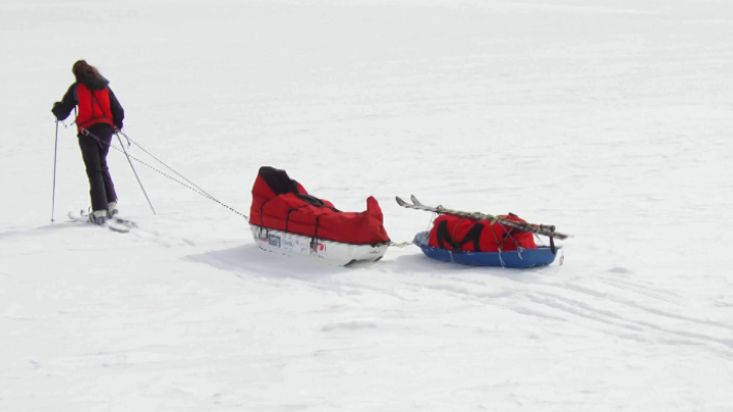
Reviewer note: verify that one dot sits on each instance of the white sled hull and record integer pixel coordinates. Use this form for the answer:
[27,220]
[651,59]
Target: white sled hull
[336,253]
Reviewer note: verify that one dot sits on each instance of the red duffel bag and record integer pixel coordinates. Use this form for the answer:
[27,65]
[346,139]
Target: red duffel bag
[465,234]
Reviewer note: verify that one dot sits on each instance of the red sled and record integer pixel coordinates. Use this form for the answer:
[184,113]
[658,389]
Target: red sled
[285,218]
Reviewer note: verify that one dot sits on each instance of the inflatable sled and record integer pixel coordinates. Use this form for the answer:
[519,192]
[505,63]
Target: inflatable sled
[520,258]
[483,243]
[285,218]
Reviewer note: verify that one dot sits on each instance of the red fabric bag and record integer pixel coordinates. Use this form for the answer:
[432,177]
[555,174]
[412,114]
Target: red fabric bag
[281,203]
[461,233]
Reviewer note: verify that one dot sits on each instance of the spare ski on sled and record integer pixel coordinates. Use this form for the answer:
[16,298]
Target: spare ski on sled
[546,230]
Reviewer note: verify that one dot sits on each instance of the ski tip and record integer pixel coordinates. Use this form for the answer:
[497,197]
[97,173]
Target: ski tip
[400,201]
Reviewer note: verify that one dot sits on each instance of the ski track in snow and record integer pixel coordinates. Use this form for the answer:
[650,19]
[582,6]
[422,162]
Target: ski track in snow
[601,310]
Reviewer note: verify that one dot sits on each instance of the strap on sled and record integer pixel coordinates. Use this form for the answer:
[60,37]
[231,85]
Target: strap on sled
[446,240]
[314,239]
[553,248]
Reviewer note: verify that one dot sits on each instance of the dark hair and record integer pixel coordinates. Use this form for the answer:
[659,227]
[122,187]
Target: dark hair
[85,72]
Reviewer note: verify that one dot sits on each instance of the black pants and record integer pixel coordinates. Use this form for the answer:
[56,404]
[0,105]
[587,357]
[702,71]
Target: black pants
[94,148]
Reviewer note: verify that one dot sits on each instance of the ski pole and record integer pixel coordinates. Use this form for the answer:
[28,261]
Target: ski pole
[135,172]
[53,191]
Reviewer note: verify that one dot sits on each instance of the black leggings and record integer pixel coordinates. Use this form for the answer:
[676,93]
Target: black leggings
[94,149]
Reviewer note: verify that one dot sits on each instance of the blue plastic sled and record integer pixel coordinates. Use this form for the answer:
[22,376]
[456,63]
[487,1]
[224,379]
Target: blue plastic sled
[524,258]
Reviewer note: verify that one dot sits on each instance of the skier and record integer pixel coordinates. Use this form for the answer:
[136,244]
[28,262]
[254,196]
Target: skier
[99,116]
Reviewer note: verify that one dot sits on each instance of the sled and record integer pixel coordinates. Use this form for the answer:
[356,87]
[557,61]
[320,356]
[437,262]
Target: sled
[519,259]
[285,218]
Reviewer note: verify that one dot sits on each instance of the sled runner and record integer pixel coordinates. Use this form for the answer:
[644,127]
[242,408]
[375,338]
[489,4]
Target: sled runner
[285,218]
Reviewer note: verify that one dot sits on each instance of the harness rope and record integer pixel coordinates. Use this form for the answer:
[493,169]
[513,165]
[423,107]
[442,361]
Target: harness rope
[188,184]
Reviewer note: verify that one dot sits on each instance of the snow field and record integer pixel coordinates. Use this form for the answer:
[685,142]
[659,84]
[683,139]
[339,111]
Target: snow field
[609,119]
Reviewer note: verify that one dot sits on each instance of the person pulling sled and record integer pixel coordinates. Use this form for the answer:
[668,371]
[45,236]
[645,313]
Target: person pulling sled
[99,115]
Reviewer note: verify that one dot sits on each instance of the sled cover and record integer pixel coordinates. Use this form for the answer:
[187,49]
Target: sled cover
[281,203]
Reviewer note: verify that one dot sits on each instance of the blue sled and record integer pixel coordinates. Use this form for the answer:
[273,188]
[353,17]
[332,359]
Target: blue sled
[525,258]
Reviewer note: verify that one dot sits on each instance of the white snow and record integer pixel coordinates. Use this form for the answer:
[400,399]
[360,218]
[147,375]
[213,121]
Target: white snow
[609,119]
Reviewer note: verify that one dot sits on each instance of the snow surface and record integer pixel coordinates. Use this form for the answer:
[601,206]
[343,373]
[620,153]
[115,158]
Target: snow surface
[611,119]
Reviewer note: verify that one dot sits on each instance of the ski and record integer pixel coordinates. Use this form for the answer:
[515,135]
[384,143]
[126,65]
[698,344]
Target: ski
[546,230]
[122,221]
[115,224]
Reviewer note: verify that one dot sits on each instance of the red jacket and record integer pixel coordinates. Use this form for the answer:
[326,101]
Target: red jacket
[97,104]
[94,106]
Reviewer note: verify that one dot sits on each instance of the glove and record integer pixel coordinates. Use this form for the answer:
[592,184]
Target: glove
[56,109]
